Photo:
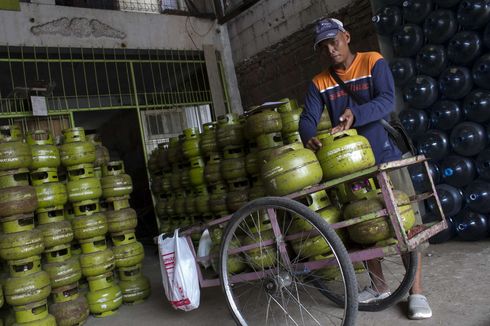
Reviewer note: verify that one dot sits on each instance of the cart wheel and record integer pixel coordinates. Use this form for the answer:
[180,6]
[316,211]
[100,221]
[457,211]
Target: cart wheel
[398,272]
[267,283]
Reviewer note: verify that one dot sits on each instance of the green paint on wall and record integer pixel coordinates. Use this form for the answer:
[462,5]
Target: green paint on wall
[10,5]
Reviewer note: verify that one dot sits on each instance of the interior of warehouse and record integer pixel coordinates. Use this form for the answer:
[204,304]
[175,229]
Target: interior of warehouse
[125,120]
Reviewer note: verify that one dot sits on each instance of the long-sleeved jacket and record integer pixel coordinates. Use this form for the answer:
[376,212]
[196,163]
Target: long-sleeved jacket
[370,77]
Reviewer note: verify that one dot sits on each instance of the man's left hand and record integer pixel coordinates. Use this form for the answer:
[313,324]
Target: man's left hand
[346,121]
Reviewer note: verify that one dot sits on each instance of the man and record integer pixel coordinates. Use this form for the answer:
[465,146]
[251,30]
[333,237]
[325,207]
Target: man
[368,75]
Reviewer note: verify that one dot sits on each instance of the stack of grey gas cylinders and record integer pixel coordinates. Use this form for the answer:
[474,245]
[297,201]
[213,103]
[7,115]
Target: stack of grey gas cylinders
[442,68]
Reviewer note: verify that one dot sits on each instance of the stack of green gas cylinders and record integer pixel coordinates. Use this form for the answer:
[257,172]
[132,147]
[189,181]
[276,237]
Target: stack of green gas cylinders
[122,221]
[89,224]
[63,269]
[27,286]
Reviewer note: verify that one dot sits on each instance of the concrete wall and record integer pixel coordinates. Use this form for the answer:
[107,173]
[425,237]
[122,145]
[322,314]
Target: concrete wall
[48,25]
[283,68]
[270,21]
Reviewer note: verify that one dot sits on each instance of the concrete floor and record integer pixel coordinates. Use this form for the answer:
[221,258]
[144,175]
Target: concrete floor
[456,277]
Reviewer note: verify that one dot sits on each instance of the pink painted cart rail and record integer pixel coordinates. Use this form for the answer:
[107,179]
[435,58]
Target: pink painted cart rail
[405,242]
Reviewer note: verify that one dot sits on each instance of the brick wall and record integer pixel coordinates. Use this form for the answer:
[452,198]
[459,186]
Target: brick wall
[285,68]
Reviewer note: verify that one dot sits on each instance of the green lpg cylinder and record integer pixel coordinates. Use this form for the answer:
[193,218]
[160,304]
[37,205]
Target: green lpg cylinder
[379,229]
[51,195]
[135,290]
[70,313]
[252,164]
[31,313]
[166,184]
[156,183]
[76,152]
[185,180]
[174,150]
[45,154]
[50,215]
[196,172]
[102,155]
[229,132]
[190,146]
[10,133]
[14,178]
[201,202]
[17,223]
[237,195]
[14,154]
[290,168]
[176,177]
[17,200]
[292,138]
[236,263]
[44,175]
[208,143]
[99,282]
[81,189]
[24,267]
[217,200]
[257,190]
[233,165]
[354,190]
[63,273]
[58,254]
[29,289]
[290,120]
[264,256]
[104,302]
[162,158]
[179,203]
[212,170]
[21,245]
[128,254]
[124,219]
[160,205]
[115,184]
[89,226]
[56,233]
[96,263]
[190,207]
[267,141]
[85,207]
[94,244]
[314,246]
[325,122]
[68,292]
[344,153]
[262,121]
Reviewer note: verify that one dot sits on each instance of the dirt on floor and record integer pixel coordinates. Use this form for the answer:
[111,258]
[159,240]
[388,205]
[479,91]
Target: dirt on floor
[456,280]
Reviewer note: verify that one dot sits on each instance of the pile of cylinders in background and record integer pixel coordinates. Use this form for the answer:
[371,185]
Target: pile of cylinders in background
[442,68]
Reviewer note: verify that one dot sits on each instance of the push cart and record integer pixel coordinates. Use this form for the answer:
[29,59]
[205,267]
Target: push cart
[268,280]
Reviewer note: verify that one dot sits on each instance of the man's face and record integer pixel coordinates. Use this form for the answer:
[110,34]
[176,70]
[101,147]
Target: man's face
[337,48]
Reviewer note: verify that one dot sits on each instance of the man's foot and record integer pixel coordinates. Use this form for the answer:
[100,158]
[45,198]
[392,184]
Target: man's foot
[369,295]
[418,307]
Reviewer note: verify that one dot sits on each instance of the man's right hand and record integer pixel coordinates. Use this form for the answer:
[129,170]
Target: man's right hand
[314,144]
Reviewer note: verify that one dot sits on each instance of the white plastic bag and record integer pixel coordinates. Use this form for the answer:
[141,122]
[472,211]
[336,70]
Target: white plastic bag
[204,248]
[179,272]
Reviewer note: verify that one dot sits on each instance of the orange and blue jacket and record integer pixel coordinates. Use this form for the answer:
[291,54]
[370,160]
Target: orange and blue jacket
[370,77]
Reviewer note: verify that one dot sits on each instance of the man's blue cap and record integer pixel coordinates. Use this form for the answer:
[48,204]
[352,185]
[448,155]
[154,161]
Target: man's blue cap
[327,28]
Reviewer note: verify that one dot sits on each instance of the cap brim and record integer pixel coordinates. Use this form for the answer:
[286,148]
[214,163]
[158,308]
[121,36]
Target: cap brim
[325,36]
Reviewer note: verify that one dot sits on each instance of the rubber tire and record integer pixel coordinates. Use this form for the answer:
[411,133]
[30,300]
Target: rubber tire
[395,296]
[301,210]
